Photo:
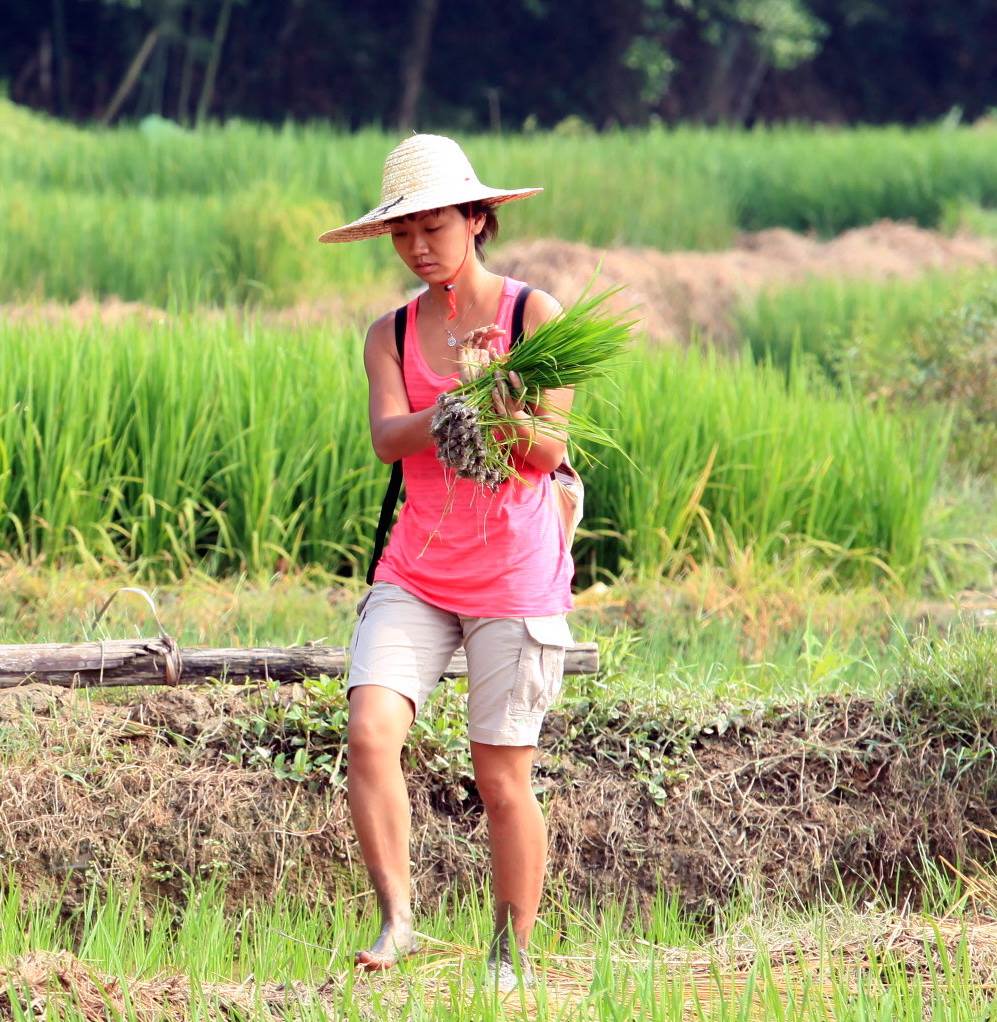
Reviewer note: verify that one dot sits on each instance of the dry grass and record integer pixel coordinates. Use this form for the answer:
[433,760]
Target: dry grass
[681,294]
[760,601]
[58,979]
[798,798]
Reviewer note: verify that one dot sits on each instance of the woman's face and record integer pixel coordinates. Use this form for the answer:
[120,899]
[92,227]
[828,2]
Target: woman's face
[434,244]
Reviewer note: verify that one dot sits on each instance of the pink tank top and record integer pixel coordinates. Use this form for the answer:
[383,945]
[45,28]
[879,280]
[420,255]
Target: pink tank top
[468,550]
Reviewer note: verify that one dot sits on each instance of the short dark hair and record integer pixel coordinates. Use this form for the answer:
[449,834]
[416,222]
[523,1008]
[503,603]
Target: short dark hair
[489,231]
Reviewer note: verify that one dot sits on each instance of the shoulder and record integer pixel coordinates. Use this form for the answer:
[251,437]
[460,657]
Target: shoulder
[381,333]
[382,329]
[540,307]
[380,341]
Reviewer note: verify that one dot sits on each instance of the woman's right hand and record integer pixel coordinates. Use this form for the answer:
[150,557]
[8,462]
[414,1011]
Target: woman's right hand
[477,350]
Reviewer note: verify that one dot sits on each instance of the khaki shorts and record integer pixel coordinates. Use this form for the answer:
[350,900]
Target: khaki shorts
[515,665]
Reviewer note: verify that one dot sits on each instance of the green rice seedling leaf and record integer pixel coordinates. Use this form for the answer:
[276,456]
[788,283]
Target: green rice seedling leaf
[582,344]
[226,445]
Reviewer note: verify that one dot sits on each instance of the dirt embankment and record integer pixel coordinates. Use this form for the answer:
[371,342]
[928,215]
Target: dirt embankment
[676,293]
[776,800]
[680,292]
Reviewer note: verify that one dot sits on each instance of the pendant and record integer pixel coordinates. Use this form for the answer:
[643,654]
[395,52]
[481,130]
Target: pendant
[451,340]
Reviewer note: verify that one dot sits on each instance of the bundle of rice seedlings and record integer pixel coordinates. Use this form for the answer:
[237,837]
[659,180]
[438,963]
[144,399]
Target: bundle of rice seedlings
[577,346]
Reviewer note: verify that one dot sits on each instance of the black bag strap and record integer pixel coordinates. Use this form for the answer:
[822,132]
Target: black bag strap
[517,321]
[517,315]
[395,482]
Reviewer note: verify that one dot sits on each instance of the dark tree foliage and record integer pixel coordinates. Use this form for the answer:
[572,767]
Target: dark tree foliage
[488,65]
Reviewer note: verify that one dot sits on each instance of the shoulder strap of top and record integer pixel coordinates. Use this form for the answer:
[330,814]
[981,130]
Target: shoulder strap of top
[400,318]
[395,481]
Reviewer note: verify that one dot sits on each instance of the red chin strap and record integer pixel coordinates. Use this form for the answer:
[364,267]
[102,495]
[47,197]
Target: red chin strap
[450,287]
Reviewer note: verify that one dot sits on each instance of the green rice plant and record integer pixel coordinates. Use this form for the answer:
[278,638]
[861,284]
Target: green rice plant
[909,343]
[949,360]
[28,924]
[798,176]
[227,445]
[61,471]
[232,211]
[821,319]
[725,457]
[595,960]
[963,215]
[174,446]
[171,443]
[256,244]
[579,346]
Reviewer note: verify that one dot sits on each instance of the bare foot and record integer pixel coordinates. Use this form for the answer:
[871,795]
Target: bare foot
[396,940]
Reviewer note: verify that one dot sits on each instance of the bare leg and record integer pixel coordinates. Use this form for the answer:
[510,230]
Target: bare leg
[379,804]
[517,837]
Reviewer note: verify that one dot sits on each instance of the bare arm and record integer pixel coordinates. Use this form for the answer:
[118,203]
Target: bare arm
[395,430]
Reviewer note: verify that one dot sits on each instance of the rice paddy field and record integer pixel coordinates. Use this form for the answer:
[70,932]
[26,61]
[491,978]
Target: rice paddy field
[231,213]
[791,964]
[191,454]
[777,799]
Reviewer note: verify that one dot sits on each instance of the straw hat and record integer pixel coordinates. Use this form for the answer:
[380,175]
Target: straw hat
[423,172]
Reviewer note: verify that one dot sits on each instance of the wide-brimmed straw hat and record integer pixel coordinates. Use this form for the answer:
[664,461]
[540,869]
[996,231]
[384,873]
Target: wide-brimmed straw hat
[424,172]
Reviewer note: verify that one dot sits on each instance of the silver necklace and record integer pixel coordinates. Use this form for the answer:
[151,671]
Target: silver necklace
[452,341]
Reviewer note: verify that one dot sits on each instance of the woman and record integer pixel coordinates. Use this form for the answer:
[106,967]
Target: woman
[463,565]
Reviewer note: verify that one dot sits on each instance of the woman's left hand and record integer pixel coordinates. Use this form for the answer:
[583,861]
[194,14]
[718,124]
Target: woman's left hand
[507,403]
[476,353]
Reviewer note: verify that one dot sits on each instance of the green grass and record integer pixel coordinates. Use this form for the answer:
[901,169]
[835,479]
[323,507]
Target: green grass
[792,963]
[708,638]
[912,344]
[685,652]
[196,216]
[728,457]
[229,445]
[602,961]
[821,319]
[960,214]
[254,244]
[220,443]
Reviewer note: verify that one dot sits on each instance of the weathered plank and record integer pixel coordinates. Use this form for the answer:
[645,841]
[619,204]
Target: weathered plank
[116,662]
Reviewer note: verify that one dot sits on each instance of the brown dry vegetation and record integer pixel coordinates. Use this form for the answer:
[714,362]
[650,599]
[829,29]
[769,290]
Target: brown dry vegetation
[676,292]
[47,979]
[774,800]
[681,292]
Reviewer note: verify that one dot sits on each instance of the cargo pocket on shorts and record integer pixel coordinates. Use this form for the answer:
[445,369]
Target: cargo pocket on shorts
[541,664]
[361,606]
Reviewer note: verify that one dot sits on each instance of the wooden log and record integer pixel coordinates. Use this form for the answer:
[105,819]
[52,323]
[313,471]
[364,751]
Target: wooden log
[115,662]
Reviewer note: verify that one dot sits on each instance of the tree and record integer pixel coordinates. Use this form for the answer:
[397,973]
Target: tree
[414,62]
[448,66]
[732,43]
